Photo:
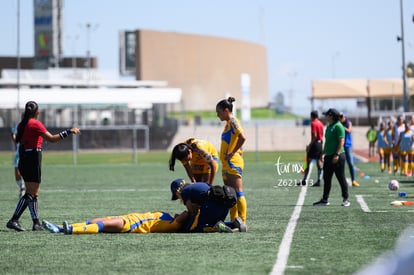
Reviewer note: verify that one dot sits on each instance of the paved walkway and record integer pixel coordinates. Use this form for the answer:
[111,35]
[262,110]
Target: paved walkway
[364,156]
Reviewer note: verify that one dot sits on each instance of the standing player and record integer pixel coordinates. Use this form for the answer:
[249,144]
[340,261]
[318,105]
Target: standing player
[382,145]
[30,135]
[199,158]
[17,176]
[314,148]
[389,132]
[399,127]
[405,143]
[231,155]
[149,222]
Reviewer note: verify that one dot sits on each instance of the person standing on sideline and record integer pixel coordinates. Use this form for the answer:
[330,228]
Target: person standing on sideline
[382,145]
[405,143]
[348,147]
[17,176]
[389,133]
[334,159]
[314,148]
[199,158]
[231,155]
[399,127]
[372,138]
[30,135]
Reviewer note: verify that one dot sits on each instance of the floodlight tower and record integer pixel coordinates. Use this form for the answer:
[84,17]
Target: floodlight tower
[404,73]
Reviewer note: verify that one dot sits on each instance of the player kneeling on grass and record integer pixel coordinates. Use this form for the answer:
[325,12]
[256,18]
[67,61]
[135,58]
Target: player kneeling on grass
[149,222]
[208,206]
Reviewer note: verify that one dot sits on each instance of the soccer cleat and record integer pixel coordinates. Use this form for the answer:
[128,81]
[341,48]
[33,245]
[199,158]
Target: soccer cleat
[321,203]
[346,203]
[12,224]
[67,229]
[52,228]
[240,225]
[37,227]
[355,183]
[316,184]
[223,228]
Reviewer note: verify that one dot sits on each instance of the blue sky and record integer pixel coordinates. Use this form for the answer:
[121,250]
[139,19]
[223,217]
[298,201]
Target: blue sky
[305,40]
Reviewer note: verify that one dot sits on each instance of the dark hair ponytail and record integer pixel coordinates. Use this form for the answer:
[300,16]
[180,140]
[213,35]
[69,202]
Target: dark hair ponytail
[180,151]
[29,112]
[226,103]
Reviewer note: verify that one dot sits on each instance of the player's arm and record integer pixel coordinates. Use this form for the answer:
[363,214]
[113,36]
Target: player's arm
[189,171]
[349,128]
[181,218]
[58,137]
[241,138]
[192,207]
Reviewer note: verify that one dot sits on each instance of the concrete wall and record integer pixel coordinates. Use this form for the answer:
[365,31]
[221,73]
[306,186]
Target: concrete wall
[265,137]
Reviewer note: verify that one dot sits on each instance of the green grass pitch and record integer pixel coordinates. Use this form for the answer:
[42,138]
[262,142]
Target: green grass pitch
[326,240]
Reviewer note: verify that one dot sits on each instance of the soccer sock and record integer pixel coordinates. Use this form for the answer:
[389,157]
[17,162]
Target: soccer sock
[34,209]
[319,174]
[382,165]
[241,206]
[233,212]
[82,228]
[21,206]
[20,183]
[405,167]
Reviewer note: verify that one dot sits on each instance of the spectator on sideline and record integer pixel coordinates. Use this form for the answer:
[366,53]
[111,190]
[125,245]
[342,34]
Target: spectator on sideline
[382,146]
[348,147]
[314,149]
[231,155]
[17,176]
[389,132]
[334,159]
[372,138]
[199,158]
[399,127]
[405,143]
[149,222]
[30,135]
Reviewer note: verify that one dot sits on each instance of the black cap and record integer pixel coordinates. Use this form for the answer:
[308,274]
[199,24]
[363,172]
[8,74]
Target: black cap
[174,186]
[314,114]
[332,112]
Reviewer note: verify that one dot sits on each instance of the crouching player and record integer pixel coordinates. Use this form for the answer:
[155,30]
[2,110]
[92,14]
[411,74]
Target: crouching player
[206,214]
[149,222]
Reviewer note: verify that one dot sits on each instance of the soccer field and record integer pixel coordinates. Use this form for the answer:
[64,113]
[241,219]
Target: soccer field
[324,240]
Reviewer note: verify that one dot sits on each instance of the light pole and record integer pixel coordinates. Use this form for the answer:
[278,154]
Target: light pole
[404,75]
[89,28]
[18,62]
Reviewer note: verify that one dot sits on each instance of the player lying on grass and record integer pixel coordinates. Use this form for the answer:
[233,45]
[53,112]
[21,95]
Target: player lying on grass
[149,222]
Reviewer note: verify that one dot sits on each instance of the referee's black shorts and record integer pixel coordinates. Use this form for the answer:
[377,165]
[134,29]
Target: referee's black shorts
[315,151]
[30,165]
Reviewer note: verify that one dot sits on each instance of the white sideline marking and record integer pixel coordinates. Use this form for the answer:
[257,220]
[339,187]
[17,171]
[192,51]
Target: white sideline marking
[362,203]
[284,247]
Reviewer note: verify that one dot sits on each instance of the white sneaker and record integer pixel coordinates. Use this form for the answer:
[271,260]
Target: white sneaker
[52,228]
[346,203]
